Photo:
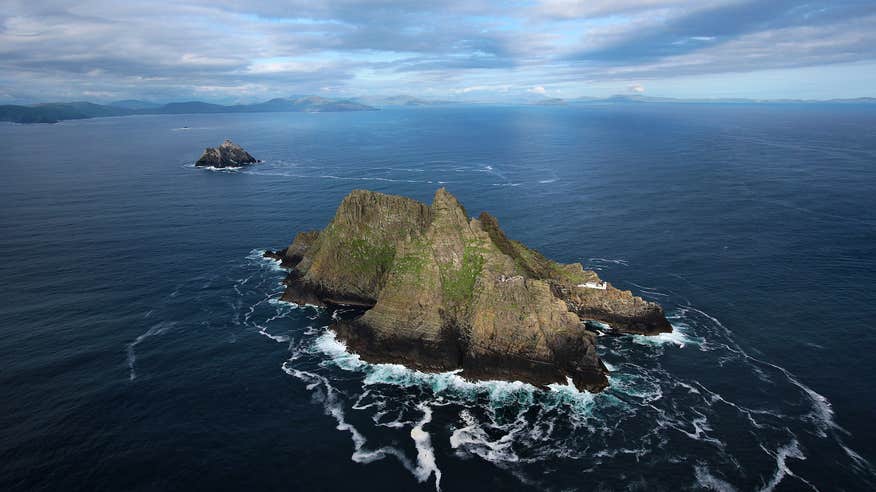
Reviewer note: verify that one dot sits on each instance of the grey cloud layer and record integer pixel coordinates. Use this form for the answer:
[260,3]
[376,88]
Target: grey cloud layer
[245,50]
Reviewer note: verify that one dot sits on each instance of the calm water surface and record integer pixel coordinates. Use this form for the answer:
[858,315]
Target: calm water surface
[143,348]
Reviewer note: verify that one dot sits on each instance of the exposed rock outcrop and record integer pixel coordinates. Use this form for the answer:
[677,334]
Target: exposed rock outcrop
[229,154]
[446,292]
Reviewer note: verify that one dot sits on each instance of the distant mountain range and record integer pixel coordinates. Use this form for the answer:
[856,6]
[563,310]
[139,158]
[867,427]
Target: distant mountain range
[134,104]
[400,100]
[635,98]
[55,112]
[551,101]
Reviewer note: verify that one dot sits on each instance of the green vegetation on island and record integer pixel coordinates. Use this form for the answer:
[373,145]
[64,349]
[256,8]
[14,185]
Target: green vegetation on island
[443,291]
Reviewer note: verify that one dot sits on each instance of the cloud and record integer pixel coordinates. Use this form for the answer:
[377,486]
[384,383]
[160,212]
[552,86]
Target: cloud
[650,37]
[576,9]
[483,88]
[167,50]
[790,47]
[636,88]
[537,90]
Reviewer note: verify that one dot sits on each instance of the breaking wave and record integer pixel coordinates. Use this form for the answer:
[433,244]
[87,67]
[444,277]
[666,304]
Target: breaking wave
[226,169]
[692,402]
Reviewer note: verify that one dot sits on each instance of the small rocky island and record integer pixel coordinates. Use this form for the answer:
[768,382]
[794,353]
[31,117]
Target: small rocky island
[229,154]
[442,291]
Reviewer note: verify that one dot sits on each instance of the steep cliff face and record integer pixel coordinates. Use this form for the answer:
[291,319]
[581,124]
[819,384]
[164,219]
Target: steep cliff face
[446,292]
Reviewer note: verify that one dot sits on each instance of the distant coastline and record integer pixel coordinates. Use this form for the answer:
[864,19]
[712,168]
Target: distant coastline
[636,98]
[60,111]
[55,112]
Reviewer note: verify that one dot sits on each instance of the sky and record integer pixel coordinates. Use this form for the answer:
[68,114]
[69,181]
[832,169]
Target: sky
[244,51]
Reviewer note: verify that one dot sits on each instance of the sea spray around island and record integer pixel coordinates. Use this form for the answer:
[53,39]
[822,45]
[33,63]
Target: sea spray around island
[394,412]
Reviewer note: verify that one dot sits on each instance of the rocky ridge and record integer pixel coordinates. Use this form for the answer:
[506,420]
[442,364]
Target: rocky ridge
[229,154]
[443,291]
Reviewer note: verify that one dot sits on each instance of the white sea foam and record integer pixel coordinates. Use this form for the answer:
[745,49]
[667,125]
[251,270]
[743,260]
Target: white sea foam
[822,412]
[614,261]
[701,429]
[154,330]
[676,337]
[706,480]
[228,169]
[258,256]
[471,438]
[640,386]
[328,395]
[397,423]
[262,172]
[649,291]
[790,450]
[611,453]
[449,383]
[426,464]
[515,425]
[568,395]
[688,387]
[715,398]
[310,330]
[498,392]
[328,344]
[276,338]
[859,460]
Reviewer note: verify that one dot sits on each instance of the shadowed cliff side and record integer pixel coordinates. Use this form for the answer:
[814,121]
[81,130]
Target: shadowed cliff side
[446,292]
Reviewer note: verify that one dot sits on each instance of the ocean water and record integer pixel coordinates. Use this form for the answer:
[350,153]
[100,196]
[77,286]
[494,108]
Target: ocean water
[142,346]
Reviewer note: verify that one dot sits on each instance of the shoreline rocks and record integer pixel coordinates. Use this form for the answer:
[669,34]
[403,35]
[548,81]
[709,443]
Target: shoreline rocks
[441,291]
[228,154]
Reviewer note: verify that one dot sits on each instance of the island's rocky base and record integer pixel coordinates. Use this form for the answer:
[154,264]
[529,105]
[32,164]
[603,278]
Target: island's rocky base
[444,292]
[229,154]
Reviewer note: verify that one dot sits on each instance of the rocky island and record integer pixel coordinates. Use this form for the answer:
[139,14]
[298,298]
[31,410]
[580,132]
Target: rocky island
[229,154]
[441,291]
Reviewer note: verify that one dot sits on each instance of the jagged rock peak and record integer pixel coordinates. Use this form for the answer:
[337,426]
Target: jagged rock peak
[228,154]
[443,292]
[365,205]
[442,197]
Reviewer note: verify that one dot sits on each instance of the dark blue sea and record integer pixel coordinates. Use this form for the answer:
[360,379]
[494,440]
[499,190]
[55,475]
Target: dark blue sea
[142,346]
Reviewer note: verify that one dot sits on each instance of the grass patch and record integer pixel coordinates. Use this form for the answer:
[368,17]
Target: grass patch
[410,268]
[534,264]
[371,258]
[459,284]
